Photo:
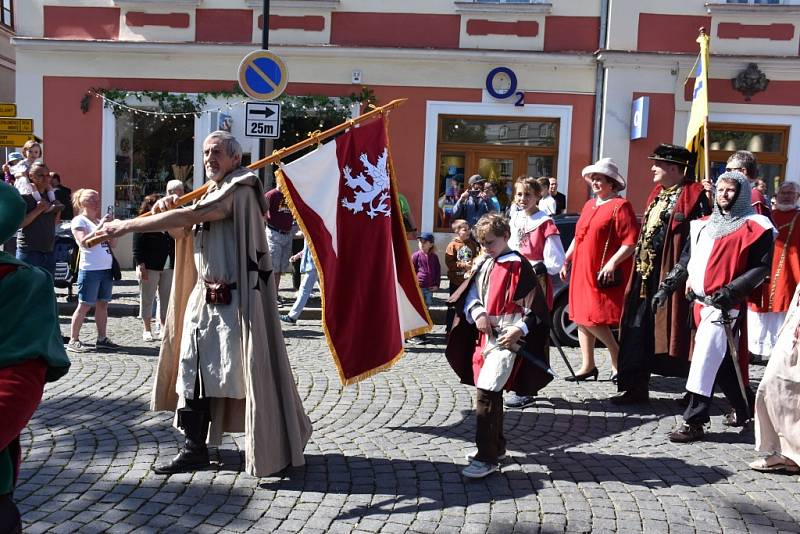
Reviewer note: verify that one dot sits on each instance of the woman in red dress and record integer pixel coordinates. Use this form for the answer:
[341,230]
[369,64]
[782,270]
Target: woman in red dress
[605,237]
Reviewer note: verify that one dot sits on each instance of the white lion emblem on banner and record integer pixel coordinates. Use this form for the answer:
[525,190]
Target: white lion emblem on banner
[373,198]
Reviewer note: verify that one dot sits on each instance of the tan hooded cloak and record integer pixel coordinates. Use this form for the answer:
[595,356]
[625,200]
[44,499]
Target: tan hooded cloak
[271,416]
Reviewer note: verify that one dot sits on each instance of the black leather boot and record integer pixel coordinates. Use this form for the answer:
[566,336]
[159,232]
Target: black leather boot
[194,454]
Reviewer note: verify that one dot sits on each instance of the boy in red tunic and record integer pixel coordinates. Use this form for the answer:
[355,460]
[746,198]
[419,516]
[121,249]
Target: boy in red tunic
[729,256]
[500,309]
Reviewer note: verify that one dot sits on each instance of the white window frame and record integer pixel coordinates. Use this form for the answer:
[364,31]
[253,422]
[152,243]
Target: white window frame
[435,109]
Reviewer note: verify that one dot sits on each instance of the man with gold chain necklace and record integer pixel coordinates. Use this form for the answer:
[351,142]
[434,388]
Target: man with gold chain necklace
[659,342]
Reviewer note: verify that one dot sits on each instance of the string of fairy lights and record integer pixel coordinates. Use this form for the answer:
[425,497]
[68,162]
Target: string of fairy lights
[333,106]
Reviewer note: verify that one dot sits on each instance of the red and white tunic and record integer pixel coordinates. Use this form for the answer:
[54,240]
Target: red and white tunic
[537,238]
[713,264]
[764,318]
[493,293]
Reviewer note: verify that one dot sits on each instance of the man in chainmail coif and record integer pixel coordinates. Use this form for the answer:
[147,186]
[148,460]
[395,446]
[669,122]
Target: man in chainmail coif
[727,257]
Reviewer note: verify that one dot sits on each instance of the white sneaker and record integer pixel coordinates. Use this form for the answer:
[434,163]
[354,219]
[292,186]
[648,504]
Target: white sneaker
[478,469]
[147,336]
[76,346]
[471,456]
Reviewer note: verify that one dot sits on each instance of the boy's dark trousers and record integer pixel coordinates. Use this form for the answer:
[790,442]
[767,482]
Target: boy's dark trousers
[489,429]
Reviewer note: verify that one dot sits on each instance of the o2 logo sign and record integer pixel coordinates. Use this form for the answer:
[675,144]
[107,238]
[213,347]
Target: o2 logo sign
[501,83]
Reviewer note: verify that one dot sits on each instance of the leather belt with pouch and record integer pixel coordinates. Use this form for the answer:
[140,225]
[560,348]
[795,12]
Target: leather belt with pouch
[218,292]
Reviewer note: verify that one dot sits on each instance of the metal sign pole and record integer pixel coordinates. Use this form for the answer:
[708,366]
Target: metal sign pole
[262,143]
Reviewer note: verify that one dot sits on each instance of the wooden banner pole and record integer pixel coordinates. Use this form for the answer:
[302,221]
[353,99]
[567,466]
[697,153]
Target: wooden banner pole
[312,139]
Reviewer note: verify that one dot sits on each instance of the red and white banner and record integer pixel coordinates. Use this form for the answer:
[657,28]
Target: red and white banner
[344,198]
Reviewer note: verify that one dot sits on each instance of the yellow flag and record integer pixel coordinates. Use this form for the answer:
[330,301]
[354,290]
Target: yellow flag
[695,132]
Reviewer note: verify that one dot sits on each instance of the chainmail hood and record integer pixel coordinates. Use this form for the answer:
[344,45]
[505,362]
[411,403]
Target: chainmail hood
[719,224]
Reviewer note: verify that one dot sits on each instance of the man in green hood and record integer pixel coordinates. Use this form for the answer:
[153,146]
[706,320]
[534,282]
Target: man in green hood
[31,350]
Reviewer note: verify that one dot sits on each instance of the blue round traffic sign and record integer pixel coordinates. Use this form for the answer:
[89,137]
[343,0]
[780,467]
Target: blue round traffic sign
[263,75]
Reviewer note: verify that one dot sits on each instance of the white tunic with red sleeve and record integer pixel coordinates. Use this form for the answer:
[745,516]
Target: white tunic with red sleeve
[713,264]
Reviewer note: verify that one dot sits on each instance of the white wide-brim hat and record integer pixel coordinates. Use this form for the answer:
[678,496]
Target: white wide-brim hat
[607,167]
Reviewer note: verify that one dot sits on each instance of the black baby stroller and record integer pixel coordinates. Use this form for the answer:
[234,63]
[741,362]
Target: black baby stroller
[66,254]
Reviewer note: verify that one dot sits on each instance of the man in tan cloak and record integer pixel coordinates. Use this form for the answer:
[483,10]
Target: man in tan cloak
[223,364]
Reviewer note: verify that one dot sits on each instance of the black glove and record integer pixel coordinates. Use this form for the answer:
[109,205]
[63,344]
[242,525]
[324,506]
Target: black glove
[723,298]
[659,299]
[539,269]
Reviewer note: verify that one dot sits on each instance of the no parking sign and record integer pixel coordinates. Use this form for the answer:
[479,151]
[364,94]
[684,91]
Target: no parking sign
[263,75]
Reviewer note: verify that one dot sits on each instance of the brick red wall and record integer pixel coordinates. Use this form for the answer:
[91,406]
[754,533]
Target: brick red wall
[224,25]
[670,33]
[571,34]
[660,129]
[403,30]
[81,22]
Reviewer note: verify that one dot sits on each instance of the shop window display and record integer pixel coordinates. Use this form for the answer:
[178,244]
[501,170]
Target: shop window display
[150,151]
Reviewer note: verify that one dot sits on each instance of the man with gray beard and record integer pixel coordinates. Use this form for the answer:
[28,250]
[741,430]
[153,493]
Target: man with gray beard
[223,365]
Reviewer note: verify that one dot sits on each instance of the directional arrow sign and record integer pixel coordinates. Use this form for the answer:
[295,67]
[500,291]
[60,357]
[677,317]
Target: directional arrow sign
[265,113]
[263,119]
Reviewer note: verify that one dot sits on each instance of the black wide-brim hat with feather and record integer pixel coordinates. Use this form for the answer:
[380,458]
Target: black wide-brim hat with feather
[673,154]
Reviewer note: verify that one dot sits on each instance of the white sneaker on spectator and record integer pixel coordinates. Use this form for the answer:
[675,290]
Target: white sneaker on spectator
[76,346]
[147,336]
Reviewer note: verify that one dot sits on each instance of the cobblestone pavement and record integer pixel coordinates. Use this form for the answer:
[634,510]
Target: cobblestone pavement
[385,456]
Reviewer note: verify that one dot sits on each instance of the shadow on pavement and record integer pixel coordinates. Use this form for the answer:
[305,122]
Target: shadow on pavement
[418,485]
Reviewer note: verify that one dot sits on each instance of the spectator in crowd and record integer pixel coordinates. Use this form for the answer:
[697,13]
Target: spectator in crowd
[473,203]
[279,234]
[561,200]
[727,256]
[10,245]
[36,238]
[535,236]
[764,318]
[32,152]
[8,174]
[599,255]
[63,195]
[175,187]
[405,211]
[777,409]
[547,203]
[760,186]
[154,256]
[95,281]
[745,162]
[491,193]
[459,257]
[448,200]
[501,310]
[429,272]
[657,341]
[31,352]
[308,268]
